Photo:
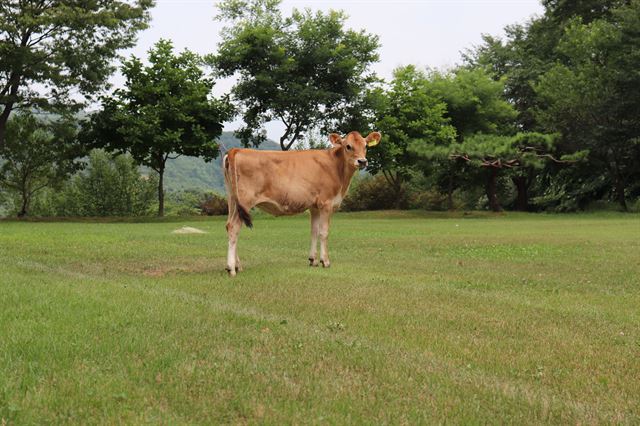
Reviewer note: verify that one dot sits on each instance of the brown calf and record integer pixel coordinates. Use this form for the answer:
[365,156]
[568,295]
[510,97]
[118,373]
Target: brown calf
[287,183]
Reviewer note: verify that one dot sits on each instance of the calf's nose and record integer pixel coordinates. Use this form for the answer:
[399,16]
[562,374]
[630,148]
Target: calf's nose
[362,162]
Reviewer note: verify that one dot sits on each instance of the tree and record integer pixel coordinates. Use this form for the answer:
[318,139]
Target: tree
[407,113]
[588,10]
[37,155]
[166,110]
[475,103]
[593,99]
[530,50]
[305,71]
[573,71]
[111,187]
[52,49]
[496,153]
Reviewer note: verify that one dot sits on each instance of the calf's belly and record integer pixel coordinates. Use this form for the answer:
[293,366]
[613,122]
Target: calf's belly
[277,209]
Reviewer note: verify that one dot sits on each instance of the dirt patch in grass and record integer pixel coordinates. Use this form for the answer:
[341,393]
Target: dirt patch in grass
[188,230]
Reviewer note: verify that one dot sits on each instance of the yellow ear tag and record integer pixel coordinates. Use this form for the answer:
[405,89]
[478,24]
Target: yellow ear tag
[373,142]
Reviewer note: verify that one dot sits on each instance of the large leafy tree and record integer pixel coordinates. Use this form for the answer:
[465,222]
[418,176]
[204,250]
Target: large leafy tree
[407,113]
[562,11]
[37,154]
[529,50]
[305,71]
[165,110]
[51,49]
[594,97]
[544,71]
[474,103]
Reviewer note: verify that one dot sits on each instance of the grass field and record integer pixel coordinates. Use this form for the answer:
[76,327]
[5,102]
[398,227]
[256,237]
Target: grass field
[421,318]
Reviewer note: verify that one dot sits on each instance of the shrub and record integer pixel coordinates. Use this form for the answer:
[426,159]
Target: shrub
[373,193]
[214,205]
[429,199]
[109,186]
[191,202]
[183,202]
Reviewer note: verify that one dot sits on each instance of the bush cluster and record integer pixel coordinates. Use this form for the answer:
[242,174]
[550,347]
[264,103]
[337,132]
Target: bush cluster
[108,186]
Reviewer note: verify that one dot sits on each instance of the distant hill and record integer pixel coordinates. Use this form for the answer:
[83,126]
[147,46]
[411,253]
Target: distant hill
[194,173]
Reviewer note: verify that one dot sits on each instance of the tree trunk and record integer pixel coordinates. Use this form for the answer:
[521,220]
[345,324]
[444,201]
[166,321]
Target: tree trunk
[161,192]
[25,204]
[522,201]
[618,181]
[398,191]
[4,117]
[620,186]
[491,190]
[450,191]
[285,144]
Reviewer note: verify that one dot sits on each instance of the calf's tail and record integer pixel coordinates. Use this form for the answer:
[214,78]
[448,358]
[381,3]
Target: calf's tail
[245,216]
[231,184]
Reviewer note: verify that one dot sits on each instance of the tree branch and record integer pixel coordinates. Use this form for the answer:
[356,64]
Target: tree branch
[36,189]
[295,137]
[389,178]
[549,156]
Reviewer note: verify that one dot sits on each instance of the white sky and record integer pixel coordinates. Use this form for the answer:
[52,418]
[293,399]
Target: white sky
[428,33]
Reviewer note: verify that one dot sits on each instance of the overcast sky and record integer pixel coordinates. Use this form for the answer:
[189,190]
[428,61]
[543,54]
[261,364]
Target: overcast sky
[428,33]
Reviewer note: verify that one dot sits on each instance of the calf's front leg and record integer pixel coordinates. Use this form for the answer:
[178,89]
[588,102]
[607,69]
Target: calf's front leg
[313,252]
[323,232]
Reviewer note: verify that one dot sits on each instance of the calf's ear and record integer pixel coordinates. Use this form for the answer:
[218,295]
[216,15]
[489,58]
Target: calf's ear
[335,139]
[373,139]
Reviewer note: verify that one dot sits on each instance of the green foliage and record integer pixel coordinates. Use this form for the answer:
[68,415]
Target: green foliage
[52,49]
[109,186]
[165,110]
[36,155]
[498,152]
[373,193]
[574,71]
[562,11]
[114,187]
[521,150]
[594,97]
[195,202]
[474,102]
[407,113]
[306,70]
[214,205]
[519,61]
[571,190]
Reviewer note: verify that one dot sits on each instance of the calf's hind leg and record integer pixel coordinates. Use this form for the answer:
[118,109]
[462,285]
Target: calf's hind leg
[233,229]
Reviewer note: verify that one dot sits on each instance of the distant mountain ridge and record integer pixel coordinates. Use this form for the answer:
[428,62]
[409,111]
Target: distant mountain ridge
[194,173]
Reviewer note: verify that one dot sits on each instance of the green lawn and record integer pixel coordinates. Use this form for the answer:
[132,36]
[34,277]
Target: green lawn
[421,318]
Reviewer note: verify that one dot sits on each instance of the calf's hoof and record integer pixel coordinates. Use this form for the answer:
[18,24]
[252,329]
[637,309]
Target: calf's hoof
[313,262]
[231,272]
[325,263]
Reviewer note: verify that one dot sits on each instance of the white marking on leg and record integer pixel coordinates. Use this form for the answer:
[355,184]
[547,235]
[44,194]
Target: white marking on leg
[233,229]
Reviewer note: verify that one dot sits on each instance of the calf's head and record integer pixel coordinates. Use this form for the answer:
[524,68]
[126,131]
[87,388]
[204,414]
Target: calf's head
[355,146]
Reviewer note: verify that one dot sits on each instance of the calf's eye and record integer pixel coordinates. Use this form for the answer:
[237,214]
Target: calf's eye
[348,147]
